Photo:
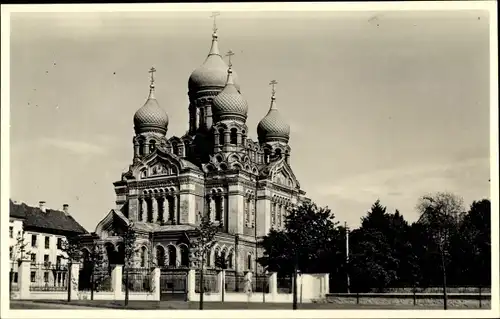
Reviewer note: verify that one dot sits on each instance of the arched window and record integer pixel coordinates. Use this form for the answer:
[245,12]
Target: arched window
[218,208]
[233,136]
[277,153]
[160,256]
[221,137]
[152,146]
[175,148]
[202,117]
[172,256]
[141,148]
[184,256]
[230,260]
[249,262]
[143,256]
[208,259]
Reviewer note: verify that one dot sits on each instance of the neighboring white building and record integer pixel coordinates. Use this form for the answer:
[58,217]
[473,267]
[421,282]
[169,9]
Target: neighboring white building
[42,232]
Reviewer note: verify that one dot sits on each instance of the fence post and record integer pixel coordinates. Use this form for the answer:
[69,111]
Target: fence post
[23,280]
[155,278]
[191,285]
[273,285]
[327,284]
[116,281]
[222,285]
[75,275]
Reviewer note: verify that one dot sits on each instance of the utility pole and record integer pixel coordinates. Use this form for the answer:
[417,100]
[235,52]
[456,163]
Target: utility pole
[347,255]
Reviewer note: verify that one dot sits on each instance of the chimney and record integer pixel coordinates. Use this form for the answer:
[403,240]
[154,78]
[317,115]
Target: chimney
[65,209]
[42,205]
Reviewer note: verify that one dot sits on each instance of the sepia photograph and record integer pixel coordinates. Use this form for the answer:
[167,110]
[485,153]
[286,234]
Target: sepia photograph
[160,157]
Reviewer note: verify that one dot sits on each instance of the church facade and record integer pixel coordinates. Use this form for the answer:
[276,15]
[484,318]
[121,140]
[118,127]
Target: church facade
[214,169]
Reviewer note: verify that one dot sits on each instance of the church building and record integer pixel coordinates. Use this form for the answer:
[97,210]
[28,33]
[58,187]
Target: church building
[214,169]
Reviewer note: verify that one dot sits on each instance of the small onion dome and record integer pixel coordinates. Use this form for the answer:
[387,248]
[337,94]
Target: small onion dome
[273,127]
[229,103]
[151,117]
[212,73]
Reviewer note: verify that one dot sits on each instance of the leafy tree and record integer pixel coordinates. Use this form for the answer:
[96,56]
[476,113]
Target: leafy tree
[72,249]
[441,214]
[202,243]
[472,245]
[96,261]
[20,250]
[306,243]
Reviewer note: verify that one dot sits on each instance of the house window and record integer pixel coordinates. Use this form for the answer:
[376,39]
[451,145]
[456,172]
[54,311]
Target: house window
[249,262]
[11,232]
[47,242]
[11,252]
[45,259]
[59,243]
[58,261]
[46,276]
[233,137]
[33,276]
[15,276]
[33,258]
[33,240]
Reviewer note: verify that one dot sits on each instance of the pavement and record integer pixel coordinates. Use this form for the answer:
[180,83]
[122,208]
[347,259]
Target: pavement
[26,304]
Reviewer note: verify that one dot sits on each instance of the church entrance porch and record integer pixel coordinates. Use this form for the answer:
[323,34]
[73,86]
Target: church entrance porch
[173,284]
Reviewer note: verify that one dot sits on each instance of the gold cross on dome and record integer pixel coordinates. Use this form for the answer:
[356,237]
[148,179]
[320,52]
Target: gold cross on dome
[230,54]
[214,16]
[152,71]
[273,83]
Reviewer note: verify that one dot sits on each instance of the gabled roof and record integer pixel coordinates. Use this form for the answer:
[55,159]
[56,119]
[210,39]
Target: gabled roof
[51,221]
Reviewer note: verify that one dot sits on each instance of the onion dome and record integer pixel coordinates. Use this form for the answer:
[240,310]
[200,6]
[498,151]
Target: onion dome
[273,127]
[151,117]
[213,72]
[229,103]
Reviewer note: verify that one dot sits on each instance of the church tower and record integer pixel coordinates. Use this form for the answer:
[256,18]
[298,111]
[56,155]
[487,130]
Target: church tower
[204,84]
[150,124]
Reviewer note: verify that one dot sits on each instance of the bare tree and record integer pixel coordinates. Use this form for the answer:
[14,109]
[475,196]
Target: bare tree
[203,242]
[441,213]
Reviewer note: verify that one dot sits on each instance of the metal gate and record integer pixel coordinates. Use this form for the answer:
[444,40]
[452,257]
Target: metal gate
[173,284]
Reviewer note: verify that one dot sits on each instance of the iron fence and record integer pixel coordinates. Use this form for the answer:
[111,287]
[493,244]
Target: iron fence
[13,276]
[209,280]
[260,283]
[47,277]
[101,279]
[139,280]
[285,284]
[234,282]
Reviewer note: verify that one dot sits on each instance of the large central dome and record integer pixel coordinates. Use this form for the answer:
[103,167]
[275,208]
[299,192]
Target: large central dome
[212,73]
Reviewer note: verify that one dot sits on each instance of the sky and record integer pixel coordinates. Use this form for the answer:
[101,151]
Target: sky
[382,105]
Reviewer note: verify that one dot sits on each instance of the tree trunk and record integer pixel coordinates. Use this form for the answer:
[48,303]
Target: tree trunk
[295,286]
[126,286]
[69,281]
[92,284]
[201,281]
[443,266]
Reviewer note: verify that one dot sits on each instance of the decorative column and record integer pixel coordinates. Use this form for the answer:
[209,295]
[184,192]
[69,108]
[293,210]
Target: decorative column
[136,149]
[165,208]
[175,209]
[145,148]
[223,209]
[238,138]
[226,137]
[212,208]
[144,205]
[154,206]
[252,212]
